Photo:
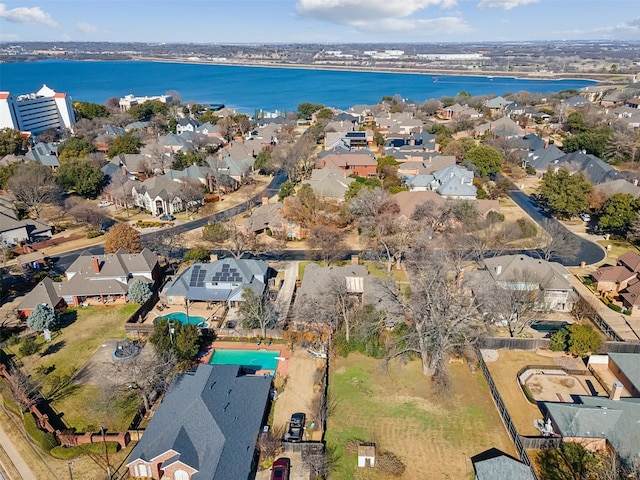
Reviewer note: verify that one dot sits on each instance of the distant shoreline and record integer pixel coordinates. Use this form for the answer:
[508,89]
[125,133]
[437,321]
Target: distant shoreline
[593,77]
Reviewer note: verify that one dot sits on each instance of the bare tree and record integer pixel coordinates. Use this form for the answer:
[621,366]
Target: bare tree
[442,318]
[560,242]
[258,311]
[328,240]
[160,158]
[269,443]
[34,186]
[24,390]
[120,190]
[85,212]
[227,128]
[149,375]
[191,193]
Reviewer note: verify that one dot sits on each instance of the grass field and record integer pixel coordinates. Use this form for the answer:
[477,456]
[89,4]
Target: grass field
[399,411]
[83,331]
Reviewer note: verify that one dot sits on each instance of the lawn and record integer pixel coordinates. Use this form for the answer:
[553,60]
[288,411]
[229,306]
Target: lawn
[618,248]
[84,331]
[399,411]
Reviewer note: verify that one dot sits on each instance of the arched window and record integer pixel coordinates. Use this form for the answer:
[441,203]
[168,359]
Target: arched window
[181,475]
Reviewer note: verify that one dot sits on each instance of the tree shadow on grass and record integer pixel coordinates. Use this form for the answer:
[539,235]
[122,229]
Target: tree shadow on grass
[67,318]
[53,348]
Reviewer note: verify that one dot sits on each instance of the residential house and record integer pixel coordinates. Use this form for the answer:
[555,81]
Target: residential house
[11,158]
[362,164]
[550,279]
[412,167]
[14,231]
[96,279]
[600,422]
[494,464]
[633,103]
[186,125]
[402,122]
[456,183]
[533,142]
[138,125]
[611,279]
[457,111]
[577,101]
[496,105]
[221,281]
[174,143]
[409,201]
[319,282]
[103,141]
[159,195]
[631,116]
[45,154]
[486,207]
[329,183]
[206,427]
[542,158]
[503,127]
[44,293]
[619,186]
[136,165]
[238,159]
[595,169]
[268,217]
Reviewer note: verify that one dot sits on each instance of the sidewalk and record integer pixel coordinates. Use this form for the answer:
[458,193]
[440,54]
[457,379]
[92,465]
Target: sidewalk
[627,327]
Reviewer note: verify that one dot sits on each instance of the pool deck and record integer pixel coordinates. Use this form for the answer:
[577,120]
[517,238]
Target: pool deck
[283,365]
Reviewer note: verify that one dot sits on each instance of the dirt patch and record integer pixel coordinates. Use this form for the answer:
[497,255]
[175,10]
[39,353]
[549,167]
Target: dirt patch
[299,390]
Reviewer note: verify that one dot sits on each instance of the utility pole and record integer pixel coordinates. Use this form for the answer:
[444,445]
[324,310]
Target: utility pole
[70,465]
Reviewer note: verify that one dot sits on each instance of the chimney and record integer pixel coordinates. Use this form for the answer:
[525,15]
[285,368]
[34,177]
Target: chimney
[96,265]
[616,390]
[213,257]
[354,259]
[498,269]
[265,200]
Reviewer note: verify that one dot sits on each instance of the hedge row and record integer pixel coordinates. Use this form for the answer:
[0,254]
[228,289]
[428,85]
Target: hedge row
[46,440]
[141,224]
[67,453]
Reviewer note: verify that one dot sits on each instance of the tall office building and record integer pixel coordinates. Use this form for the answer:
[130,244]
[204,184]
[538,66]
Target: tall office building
[35,112]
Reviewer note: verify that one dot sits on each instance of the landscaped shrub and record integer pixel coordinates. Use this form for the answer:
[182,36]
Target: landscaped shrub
[559,340]
[583,339]
[95,233]
[588,281]
[527,229]
[148,224]
[66,453]
[614,307]
[45,440]
[29,346]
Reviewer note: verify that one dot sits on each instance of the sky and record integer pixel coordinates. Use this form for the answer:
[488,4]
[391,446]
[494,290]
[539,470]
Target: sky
[318,21]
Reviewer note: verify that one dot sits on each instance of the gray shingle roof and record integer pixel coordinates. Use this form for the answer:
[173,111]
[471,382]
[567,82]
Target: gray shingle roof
[211,418]
[629,363]
[45,292]
[496,465]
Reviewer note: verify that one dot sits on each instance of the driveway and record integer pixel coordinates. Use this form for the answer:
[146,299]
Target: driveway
[586,251]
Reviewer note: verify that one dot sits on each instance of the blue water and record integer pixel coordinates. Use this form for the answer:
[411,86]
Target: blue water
[251,88]
[250,359]
[182,318]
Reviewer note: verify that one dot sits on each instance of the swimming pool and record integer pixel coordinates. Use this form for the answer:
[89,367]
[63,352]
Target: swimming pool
[250,359]
[182,318]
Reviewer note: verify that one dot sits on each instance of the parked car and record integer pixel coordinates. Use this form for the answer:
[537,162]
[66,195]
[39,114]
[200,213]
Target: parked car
[280,469]
[585,217]
[104,203]
[296,428]
[167,218]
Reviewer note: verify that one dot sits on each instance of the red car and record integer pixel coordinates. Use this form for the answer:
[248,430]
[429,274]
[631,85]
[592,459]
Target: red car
[280,469]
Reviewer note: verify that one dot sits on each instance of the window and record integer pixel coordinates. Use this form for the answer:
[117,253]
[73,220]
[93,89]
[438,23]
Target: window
[181,475]
[142,470]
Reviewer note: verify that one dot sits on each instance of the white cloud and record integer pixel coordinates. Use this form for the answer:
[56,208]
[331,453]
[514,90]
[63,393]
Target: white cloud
[27,15]
[9,37]
[504,4]
[624,30]
[383,15]
[85,27]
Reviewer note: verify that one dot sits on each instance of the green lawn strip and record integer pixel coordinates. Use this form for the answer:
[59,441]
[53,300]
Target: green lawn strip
[380,270]
[90,408]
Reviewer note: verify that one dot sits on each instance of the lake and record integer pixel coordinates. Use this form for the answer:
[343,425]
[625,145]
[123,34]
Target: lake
[249,88]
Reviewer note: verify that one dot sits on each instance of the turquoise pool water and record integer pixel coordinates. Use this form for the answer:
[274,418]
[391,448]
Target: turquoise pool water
[249,359]
[182,318]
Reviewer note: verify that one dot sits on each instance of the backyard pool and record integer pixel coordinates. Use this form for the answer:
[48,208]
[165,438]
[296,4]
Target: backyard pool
[250,359]
[182,318]
[548,326]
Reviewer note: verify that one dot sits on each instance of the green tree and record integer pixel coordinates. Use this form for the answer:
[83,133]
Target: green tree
[182,160]
[565,194]
[459,148]
[146,110]
[263,161]
[7,172]
[43,317]
[559,341]
[593,141]
[12,142]
[287,189]
[360,183]
[575,123]
[75,147]
[215,232]
[173,337]
[583,339]
[127,143]
[81,176]
[89,110]
[324,114]
[139,292]
[29,346]
[618,213]
[486,159]
[208,116]
[197,254]
[122,235]
[306,109]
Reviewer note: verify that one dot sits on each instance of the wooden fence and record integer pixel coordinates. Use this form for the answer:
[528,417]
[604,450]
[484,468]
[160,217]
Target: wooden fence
[510,343]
